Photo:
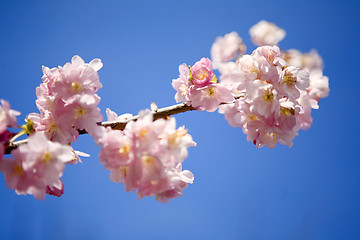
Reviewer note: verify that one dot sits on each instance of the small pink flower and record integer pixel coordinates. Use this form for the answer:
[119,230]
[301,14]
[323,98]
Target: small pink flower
[227,48]
[307,103]
[263,98]
[202,72]
[307,61]
[271,54]
[266,33]
[319,85]
[116,149]
[293,81]
[7,116]
[182,84]
[209,97]
[82,113]
[76,78]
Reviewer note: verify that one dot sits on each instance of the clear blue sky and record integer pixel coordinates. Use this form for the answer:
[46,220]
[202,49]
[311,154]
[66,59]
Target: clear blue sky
[309,191]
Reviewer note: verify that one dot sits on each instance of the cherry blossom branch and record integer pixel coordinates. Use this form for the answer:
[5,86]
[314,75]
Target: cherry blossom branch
[157,114]
[121,124]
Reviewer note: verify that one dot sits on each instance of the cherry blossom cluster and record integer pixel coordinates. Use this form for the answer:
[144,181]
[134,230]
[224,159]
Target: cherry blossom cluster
[147,156]
[36,167]
[67,100]
[273,91]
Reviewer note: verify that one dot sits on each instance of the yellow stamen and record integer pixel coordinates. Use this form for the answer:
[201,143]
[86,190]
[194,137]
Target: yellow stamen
[202,75]
[76,86]
[289,79]
[269,97]
[211,91]
[287,111]
[80,112]
[46,157]
[143,132]
[125,150]
[148,160]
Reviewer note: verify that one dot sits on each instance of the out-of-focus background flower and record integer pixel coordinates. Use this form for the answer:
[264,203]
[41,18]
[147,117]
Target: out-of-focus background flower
[309,191]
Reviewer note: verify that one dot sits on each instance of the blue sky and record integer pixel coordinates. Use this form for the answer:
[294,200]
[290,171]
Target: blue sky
[309,191]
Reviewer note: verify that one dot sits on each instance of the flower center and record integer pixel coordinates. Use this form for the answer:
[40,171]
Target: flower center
[184,89]
[211,92]
[287,111]
[46,157]
[80,112]
[201,75]
[269,97]
[148,160]
[77,87]
[125,150]
[289,79]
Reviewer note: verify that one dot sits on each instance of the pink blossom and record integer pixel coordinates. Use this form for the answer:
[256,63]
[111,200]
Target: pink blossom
[271,54]
[7,116]
[293,81]
[308,61]
[289,111]
[233,77]
[307,103]
[266,33]
[210,97]
[227,48]
[319,85]
[82,113]
[115,149]
[178,180]
[202,72]
[263,98]
[249,66]
[271,135]
[182,84]
[77,80]
[23,182]
[53,127]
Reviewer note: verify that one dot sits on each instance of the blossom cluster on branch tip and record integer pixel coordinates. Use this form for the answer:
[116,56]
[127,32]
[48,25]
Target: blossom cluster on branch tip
[278,89]
[37,167]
